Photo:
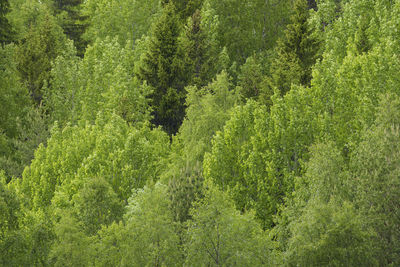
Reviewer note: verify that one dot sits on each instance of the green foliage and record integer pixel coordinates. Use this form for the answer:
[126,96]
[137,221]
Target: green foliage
[15,116]
[38,230]
[194,51]
[102,81]
[6,32]
[43,42]
[295,53]
[258,155]
[31,132]
[282,157]
[13,241]
[375,165]
[110,245]
[128,19]
[207,111]
[226,164]
[330,235]
[13,95]
[249,26]
[69,15]
[25,14]
[124,156]
[152,238]
[218,235]
[183,189]
[97,204]
[158,67]
[185,8]
[71,247]
[325,181]
[251,80]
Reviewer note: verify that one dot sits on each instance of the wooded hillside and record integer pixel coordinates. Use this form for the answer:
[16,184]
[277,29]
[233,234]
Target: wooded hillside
[199,133]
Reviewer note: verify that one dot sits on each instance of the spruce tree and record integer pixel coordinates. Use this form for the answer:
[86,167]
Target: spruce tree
[5,27]
[185,8]
[250,79]
[296,53]
[193,53]
[43,42]
[72,21]
[159,68]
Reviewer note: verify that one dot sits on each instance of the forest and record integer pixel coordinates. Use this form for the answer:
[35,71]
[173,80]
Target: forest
[200,133]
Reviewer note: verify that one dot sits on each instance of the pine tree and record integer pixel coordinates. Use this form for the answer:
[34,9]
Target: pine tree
[158,67]
[296,53]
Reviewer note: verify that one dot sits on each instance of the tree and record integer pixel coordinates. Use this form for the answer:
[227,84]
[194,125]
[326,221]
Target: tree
[319,225]
[6,33]
[71,247]
[375,167]
[14,95]
[96,204]
[13,112]
[183,190]
[225,165]
[110,245]
[259,153]
[207,111]
[43,42]
[127,20]
[251,80]
[218,235]
[39,232]
[296,53]
[330,235]
[69,13]
[152,234]
[158,69]
[13,241]
[32,130]
[102,81]
[193,50]
[246,27]
[82,151]
[185,8]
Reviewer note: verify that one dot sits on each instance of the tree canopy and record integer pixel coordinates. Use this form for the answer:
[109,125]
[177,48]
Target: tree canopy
[199,133]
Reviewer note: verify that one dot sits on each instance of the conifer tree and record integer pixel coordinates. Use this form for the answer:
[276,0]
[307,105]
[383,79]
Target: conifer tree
[158,67]
[250,80]
[183,190]
[185,8]
[41,45]
[193,51]
[5,27]
[72,21]
[295,53]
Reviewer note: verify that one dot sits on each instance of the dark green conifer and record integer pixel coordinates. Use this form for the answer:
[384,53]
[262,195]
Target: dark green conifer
[185,8]
[184,189]
[296,53]
[5,27]
[161,71]
[72,22]
[41,45]
[193,53]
